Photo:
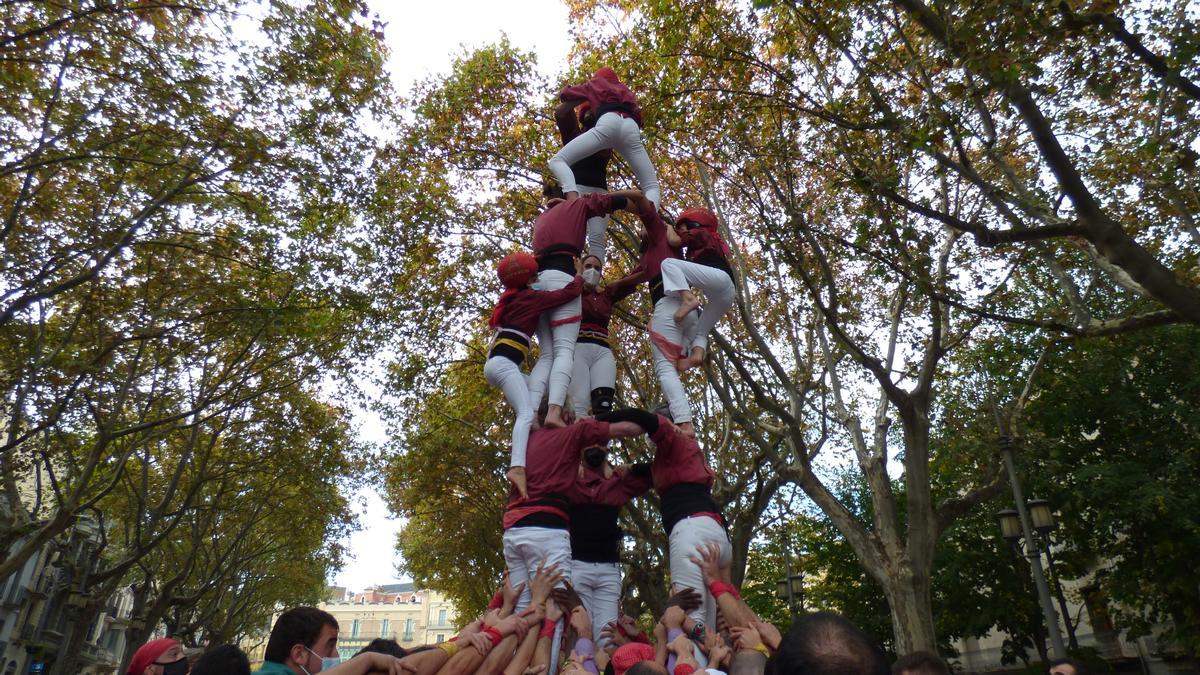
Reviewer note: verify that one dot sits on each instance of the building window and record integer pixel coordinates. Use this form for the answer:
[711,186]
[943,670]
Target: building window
[383,632]
[441,617]
[441,638]
[408,630]
[354,629]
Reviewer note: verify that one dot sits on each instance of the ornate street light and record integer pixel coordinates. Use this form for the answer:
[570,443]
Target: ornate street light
[1042,516]
[1010,525]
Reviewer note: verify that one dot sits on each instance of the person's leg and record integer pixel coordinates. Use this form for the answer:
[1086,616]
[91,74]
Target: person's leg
[599,137]
[514,560]
[505,375]
[662,323]
[718,296]
[676,285]
[597,227]
[628,142]
[581,379]
[564,326]
[685,537]
[554,547]
[583,580]
[603,377]
[707,530]
[540,376]
[606,598]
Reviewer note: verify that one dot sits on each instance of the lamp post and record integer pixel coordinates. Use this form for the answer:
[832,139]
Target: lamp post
[1017,524]
[791,589]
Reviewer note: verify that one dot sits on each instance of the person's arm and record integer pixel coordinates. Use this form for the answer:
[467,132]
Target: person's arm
[566,121]
[582,624]
[544,300]
[635,202]
[369,662]
[645,422]
[673,237]
[425,662]
[498,657]
[625,485]
[626,285]
[685,659]
[541,654]
[672,621]
[574,94]
[520,660]
[729,600]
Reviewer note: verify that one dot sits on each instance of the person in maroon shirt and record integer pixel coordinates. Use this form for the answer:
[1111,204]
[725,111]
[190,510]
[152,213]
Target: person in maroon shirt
[595,375]
[558,236]
[706,267]
[591,172]
[515,316]
[690,516]
[535,527]
[618,127]
[667,336]
[600,493]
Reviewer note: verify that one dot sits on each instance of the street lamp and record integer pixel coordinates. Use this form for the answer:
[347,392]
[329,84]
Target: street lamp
[1014,529]
[791,589]
[1042,516]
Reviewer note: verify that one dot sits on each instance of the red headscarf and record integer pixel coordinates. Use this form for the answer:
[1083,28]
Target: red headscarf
[515,270]
[630,654]
[706,219]
[148,654]
[607,73]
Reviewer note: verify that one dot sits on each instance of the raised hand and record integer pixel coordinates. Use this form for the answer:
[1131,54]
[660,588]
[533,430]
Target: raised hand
[481,642]
[508,593]
[567,597]
[682,645]
[581,622]
[544,580]
[745,637]
[715,647]
[709,562]
[770,634]
[613,636]
[673,617]
[686,599]
[553,611]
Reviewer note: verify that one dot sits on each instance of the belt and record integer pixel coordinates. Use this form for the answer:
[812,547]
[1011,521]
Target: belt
[595,335]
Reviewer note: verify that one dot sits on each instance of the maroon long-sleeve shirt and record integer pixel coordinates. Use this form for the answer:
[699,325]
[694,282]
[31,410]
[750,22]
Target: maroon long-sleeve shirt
[551,470]
[657,250]
[598,306]
[682,477]
[604,94]
[562,228]
[522,311]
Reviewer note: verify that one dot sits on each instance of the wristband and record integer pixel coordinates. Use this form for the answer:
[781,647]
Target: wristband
[493,635]
[684,669]
[719,588]
[548,627]
[450,647]
[762,648]
[497,601]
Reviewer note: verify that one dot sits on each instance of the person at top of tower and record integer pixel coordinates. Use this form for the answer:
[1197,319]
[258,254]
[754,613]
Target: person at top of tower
[706,266]
[591,172]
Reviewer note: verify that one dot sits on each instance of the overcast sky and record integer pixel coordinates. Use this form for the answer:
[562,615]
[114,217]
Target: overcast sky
[423,38]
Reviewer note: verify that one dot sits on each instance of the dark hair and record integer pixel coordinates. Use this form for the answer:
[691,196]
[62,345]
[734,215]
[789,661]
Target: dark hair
[920,663]
[223,660]
[591,255]
[824,643]
[552,191]
[384,646]
[299,625]
[1080,668]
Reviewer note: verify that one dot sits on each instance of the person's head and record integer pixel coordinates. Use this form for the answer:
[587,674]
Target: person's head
[636,658]
[304,639]
[517,269]
[826,644]
[552,191]
[920,663]
[591,271]
[1067,667]
[163,656]
[223,660]
[385,646]
[696,217]
[586,116]
[747,663]
[595,457]
[606,73]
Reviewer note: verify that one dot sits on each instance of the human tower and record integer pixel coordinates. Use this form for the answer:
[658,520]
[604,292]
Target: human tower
[565,496]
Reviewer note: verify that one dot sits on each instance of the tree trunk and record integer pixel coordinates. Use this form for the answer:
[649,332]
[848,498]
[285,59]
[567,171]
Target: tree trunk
[908,597]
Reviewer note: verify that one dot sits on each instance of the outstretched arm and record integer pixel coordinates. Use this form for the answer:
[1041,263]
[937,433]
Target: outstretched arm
[566,121]
[635,201]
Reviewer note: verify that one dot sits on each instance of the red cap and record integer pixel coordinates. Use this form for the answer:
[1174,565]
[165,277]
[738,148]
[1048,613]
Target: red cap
[149,653]
[699,215]
[629,655]
[516,269]
[607,73]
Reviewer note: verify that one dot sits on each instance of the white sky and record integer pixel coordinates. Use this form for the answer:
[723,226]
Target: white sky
[423,38]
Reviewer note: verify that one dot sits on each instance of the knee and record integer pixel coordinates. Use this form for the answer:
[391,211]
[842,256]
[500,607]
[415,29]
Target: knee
[602,400]
[524,415]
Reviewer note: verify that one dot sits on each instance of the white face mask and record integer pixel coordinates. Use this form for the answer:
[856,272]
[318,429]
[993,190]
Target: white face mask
[591,277]
[327,662]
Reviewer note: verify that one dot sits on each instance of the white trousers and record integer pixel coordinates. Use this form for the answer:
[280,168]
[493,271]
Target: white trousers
[527,548]
[594,367]
[502,373]
[597,227]
[599,587]
[557,343]
[681,275]
[612,131]
[687,535]
[662,321]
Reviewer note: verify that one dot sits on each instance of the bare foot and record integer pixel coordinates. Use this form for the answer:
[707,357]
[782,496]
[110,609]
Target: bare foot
[516,476]
[687,303]
[687,429]
[554,418]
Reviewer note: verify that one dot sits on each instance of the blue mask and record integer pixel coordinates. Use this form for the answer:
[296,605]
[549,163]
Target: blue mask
[327,662]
